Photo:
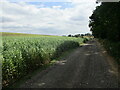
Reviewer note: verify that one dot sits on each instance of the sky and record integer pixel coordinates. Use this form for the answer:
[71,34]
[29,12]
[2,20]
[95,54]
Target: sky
[49,17]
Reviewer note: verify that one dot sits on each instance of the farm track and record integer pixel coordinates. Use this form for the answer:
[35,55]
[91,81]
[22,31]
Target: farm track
[86,67]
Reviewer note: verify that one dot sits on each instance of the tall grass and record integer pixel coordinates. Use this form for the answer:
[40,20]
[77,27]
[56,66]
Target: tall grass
[22,55]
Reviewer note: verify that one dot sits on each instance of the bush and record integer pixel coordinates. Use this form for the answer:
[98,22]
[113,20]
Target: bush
[113,49]
[85,40]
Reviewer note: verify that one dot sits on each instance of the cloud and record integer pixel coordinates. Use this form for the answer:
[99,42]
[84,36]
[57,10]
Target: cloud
[56,7]
[6,19]
[28,18]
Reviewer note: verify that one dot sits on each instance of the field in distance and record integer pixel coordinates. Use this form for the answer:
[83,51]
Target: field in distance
[20,34]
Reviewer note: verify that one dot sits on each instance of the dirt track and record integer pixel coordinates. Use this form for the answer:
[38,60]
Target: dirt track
[86,67]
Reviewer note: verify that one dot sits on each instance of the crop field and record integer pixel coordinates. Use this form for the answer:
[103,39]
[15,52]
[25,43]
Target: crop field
[25,53]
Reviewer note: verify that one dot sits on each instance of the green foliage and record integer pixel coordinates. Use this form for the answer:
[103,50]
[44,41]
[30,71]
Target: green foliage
[22,55]
[105,21]
[113,49]
[105,25]
[86,38]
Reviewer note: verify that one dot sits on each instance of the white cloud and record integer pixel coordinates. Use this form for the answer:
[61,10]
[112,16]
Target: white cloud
[22,17]
[56,7]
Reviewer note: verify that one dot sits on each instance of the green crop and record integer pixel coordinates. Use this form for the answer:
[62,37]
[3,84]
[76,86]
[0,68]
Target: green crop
[22,54]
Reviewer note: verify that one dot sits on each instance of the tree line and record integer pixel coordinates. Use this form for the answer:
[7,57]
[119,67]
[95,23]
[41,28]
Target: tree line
[105,25]
[105,21]
[79,35]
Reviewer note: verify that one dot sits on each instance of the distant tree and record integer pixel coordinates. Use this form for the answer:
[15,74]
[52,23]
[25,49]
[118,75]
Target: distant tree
[77,35]
[88,34]
[82,35]
[69,35]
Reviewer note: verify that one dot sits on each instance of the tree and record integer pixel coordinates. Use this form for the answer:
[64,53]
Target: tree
[69,35]
[105,21]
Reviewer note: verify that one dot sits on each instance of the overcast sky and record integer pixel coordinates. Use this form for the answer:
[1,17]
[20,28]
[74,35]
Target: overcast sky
[51,18]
